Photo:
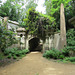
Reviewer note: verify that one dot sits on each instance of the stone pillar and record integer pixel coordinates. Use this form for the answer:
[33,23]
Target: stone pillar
[6,22]
[26,42]
[62,27]
[43,50]
[18,45]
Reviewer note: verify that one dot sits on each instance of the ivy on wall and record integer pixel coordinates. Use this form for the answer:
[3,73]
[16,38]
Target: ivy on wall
[38,24]
[6,38]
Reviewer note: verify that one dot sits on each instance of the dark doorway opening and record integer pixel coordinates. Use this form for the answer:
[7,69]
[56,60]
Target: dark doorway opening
[34,45]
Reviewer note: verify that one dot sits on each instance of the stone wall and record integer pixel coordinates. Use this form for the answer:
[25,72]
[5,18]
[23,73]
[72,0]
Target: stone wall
[10,24]
[56,41]
[52,41]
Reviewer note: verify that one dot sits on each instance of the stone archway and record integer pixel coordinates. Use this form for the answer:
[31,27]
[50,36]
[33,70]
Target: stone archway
[34,44]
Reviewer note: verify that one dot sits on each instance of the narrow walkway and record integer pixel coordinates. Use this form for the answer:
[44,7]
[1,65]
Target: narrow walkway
[35,64]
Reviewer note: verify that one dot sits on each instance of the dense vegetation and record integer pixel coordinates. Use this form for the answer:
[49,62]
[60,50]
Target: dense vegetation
[15,52]
[64,54]
[15,9]
[53,9]
[7,37]
[37,24]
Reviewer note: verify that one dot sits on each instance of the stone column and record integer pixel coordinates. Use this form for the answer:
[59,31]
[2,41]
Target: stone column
[27,42]
[62,27]
[43,50]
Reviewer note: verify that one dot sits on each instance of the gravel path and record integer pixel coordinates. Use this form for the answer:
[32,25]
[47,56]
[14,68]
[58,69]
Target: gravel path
[35,64]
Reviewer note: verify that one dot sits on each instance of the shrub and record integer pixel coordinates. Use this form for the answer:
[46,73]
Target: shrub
[25,50]
[48,53]
[71,39]
[9,56]
[61,57]
[1,56]
[6,52]
[53,53]
[65,51]
[14,52]
[71,59]
[10,50]
[14,57]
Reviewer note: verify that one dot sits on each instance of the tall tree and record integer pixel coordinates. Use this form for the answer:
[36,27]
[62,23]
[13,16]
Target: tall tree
[12,9]
[28,4]
[16,9]
[53,9]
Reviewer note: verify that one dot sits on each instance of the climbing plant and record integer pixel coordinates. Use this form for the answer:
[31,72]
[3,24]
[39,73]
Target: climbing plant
[6,38]
[53,9]
[38,24]
[71,39]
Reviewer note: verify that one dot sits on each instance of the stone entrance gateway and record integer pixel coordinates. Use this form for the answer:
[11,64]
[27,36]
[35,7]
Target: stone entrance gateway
[31,42]
[34,44]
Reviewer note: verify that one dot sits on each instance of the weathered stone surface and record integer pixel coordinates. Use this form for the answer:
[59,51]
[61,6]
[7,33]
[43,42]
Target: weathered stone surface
[57,41]
[62,27]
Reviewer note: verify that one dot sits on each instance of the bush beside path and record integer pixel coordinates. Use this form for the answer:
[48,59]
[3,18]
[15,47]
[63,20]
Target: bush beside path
[35,64]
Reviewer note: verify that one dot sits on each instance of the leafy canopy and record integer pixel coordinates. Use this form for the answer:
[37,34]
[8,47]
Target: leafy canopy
[53,9]
[37,23]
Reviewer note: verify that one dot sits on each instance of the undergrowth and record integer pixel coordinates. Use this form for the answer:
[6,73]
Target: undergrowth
[62,55]
[15,53]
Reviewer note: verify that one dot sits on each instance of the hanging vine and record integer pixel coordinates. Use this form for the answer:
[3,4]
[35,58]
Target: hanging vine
[38,24]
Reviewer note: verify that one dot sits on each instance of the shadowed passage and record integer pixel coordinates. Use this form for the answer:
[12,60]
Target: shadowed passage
[34,44]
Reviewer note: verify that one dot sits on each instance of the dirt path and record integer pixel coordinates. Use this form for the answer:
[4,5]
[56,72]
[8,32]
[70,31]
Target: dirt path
[35,64]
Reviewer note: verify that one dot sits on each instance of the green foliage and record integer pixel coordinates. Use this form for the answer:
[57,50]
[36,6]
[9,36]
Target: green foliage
[1,56]
[61,56]
[10,50]
[65,51]
[14,52]
[6,38]
[14,57]
[15,9]
[53,53]
[31,3]
[56,5]
[70,42]
[9,56]
[71,59]
[71,39]
[37,23]
[53,9]
[12,9]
